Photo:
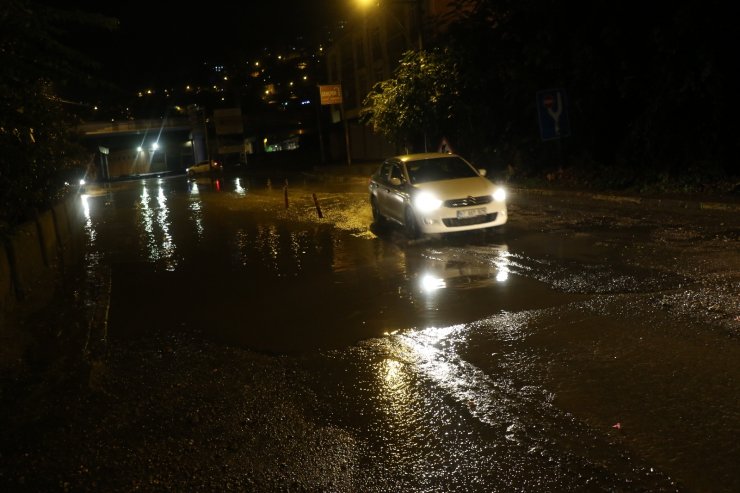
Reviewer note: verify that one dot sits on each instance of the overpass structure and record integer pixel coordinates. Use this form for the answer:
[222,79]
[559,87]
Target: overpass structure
[135,147]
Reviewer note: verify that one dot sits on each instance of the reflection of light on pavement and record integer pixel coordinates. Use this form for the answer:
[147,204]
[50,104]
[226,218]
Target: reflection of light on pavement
[429,283]
[281,253]
[195,208]
[297,248]
[425,345]
[268,241]
[196,216]
[168,246]
[391,370]
[434,353]
[238,188]
[85,198]
[502,263]
[422,345]
[89,230]
[413,353]
[397,396]
[155,224]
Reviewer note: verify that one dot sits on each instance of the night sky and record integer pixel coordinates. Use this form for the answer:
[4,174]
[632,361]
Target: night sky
[161,43]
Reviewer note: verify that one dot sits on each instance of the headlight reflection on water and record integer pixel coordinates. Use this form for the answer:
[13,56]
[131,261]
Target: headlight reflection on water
[502,263]
[429,283]
[238,188]
[415,352]
[155,223]
[89,229]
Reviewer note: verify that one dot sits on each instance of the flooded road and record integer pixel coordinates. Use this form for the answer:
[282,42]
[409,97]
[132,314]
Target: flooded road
[588,347]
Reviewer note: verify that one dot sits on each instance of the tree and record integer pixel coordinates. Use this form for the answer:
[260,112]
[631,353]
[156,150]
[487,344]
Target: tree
[419,101]
[37,141]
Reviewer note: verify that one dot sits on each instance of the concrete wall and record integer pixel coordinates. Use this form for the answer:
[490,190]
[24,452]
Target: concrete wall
[35,256]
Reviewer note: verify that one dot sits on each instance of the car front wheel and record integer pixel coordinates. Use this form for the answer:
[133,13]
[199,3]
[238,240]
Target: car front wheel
[378,217]
[412,227]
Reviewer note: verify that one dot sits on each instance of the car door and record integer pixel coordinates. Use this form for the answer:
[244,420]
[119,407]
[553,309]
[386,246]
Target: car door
[396,193]
[382,187]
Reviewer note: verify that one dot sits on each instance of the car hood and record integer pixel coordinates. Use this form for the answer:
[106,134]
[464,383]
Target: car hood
[474,186]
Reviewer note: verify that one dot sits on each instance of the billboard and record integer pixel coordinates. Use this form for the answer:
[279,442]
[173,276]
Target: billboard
[228,121]
[331,94]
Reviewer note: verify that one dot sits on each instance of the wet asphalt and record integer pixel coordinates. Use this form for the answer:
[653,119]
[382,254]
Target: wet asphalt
[217,340]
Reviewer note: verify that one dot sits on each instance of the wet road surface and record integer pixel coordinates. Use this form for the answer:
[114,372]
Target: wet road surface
[250,346]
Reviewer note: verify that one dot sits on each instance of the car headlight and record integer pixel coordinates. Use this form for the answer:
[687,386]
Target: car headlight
[499,195]
[426,202]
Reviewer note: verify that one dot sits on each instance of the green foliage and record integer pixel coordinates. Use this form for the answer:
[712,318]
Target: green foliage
[420,99]
[37,141]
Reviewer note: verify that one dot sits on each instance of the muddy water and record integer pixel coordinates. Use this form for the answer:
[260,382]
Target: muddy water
[545,359]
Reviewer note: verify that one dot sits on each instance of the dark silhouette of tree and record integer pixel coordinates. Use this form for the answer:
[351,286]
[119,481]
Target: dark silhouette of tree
[648,83]
[36,128]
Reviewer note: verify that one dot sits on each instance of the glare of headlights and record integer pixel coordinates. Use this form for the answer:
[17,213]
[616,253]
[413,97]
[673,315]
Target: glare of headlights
[499,195]
[429,283]
[426,202]
[82,182]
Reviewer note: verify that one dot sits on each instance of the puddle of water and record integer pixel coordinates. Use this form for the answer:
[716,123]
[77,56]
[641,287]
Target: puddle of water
[222,260]
[282,301]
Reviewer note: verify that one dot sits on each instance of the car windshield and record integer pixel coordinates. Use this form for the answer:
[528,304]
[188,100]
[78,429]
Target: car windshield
[436,169]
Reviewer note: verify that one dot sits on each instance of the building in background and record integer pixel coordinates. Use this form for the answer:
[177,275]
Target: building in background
[367,50]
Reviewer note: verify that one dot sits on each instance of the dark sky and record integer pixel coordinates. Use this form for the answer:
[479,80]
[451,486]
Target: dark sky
[161,42]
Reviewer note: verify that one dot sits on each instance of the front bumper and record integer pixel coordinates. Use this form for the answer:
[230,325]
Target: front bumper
[450,220]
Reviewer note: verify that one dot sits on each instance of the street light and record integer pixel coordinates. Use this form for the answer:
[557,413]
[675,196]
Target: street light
[366,4]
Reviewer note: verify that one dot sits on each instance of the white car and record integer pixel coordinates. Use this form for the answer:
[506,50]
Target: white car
[204,167]
[435,193]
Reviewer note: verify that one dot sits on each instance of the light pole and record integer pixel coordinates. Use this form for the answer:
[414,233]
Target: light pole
[366,4]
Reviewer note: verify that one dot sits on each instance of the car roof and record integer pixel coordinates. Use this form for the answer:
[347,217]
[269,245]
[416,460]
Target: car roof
[423,155]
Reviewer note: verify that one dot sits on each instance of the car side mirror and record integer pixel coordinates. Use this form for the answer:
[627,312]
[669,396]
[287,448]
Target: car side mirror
[482,171]
[395,181]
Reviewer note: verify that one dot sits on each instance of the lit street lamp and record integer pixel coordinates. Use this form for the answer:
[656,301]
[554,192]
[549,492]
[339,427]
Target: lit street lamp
[366,4]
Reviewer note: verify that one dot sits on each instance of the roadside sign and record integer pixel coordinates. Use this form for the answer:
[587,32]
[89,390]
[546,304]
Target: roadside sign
[331,94]
[552,109]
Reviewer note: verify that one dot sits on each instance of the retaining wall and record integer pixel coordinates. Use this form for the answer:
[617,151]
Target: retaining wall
[35,257]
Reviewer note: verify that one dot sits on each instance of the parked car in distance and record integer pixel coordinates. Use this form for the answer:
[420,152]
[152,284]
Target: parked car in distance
[433,193]
[204,167]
